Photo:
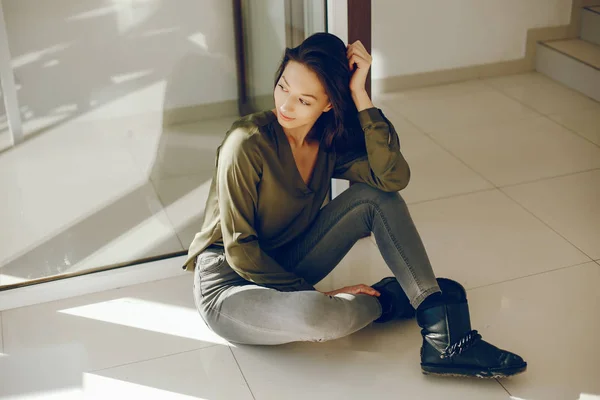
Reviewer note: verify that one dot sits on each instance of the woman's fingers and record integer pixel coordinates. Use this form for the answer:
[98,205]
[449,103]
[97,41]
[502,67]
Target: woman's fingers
[367,290]
[351,62]
[358,48]
[357,44]
[356,289]
[372,291]
[358,60]
[362,60]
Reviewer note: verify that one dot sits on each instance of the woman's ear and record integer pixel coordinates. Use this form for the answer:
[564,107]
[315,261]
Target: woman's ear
[328,107]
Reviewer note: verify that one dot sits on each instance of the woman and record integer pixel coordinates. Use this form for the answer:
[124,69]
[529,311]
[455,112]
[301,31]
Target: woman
[266,239]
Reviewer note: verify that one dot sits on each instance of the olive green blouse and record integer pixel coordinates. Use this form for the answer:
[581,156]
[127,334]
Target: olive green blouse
[258,200]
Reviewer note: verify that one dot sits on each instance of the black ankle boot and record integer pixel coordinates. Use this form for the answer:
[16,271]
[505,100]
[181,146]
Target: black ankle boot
[393,300]
[450,347]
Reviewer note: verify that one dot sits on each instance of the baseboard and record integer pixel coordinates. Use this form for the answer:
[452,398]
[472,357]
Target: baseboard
[263,102]
[434,78]
[183,115]
[590,3]
[92,283]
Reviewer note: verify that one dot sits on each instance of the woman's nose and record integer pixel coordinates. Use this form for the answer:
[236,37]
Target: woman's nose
[287,107]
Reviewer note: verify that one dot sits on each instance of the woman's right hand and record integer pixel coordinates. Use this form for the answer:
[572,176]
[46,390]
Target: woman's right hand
[355,289]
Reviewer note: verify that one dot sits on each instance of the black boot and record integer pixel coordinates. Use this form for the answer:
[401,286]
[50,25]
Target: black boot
[450,347]
[393,301]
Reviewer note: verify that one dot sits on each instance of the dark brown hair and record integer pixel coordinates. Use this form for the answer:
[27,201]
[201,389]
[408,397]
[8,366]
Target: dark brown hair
[325,55]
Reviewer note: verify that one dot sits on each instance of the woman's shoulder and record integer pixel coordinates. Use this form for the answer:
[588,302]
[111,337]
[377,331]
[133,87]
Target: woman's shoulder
[248,132]
[254,121]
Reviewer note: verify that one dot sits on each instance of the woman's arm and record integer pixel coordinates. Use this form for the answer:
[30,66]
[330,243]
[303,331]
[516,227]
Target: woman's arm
[384,166]
[238,173]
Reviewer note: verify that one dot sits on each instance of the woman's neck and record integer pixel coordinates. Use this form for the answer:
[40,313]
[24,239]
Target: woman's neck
[298,137]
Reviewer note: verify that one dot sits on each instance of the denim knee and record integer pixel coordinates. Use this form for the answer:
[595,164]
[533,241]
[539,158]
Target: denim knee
[378,196]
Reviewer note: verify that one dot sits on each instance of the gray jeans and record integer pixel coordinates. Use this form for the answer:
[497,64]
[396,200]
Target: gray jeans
[243,312]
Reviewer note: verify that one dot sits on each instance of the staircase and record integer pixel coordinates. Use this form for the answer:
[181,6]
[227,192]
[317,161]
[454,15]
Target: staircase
[575,62]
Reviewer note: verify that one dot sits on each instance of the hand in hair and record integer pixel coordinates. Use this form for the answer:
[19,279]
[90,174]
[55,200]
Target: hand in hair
[359,61]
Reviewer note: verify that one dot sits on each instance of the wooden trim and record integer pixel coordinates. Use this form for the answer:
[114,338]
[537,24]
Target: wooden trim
[240,55]
[87,283]
[287,17]
[89,271]
[359,27]
[294,23]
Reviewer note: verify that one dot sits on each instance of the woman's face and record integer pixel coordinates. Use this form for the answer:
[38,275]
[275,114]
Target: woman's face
[300,98]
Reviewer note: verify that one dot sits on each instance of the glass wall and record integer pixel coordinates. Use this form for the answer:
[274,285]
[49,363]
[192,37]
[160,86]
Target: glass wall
[123,104]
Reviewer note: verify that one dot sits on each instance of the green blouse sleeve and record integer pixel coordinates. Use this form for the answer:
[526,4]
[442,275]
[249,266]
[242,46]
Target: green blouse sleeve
[384,166]
[238,173]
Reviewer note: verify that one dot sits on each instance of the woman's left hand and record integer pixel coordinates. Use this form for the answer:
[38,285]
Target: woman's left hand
[359,61]
[354,289]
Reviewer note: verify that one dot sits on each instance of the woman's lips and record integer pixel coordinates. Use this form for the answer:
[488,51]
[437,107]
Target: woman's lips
[284,117]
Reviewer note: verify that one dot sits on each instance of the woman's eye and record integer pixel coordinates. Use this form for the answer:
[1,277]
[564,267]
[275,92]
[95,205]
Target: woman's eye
[281,86]
[303,102]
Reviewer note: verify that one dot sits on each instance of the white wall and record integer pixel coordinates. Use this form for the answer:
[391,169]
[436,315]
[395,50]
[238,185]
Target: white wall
[422,36]
[110,58]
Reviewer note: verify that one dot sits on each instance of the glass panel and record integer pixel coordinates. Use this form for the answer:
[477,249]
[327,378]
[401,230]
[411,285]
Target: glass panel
[123,105]
[5,138]
[269,27]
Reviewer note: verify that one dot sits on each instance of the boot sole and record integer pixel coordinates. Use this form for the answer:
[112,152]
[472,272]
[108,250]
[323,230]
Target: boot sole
[463,372]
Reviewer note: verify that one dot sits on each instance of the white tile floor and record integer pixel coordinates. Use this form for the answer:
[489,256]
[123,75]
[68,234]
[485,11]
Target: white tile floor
[505,192]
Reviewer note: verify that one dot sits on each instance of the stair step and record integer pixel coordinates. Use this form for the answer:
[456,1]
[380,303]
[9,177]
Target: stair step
[586,52]
[573,62]
[590,24]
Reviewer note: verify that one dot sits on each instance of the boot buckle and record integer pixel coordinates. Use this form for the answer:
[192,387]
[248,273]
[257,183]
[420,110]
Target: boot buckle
[463,344]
